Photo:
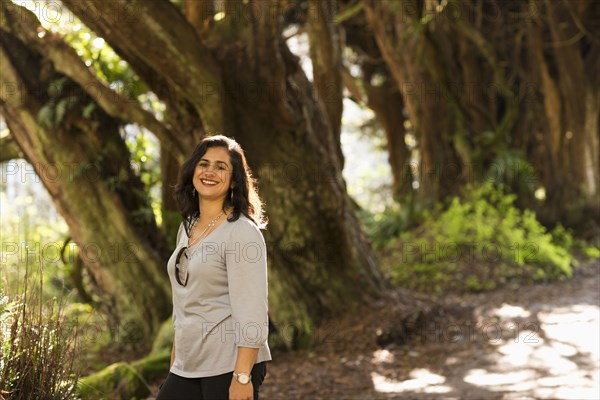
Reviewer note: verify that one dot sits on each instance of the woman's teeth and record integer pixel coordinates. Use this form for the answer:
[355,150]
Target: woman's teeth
[207,182]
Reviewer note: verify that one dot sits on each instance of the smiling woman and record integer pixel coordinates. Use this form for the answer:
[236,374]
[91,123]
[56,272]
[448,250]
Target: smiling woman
[219,286]
[218,172]
[212,177]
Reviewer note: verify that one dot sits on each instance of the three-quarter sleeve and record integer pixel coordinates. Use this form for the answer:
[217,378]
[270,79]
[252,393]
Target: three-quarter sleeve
[180,232]
[246,261]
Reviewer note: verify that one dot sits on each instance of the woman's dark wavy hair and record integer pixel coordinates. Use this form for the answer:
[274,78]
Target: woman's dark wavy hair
[245,195]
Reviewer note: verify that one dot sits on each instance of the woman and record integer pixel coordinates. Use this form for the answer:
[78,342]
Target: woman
[218,275]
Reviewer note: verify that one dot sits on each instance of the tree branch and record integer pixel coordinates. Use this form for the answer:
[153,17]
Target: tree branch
[27,28]
[199,13]
[158,37]
[325,52]
[349,12]
[487,51]
[353,85]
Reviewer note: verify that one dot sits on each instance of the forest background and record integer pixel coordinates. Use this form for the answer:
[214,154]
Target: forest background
[405,150]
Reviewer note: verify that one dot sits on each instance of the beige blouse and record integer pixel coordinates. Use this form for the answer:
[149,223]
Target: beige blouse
[224,304]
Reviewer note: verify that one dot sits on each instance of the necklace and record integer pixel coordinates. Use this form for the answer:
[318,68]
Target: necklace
[206,230]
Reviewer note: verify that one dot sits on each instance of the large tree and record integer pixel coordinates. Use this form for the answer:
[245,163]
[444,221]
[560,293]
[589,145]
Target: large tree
[564,62]
[234,75]
[488,86]
[79,155]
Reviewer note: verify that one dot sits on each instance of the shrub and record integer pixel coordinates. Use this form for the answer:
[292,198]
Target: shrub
[392,221]
[477,243]
[36,345]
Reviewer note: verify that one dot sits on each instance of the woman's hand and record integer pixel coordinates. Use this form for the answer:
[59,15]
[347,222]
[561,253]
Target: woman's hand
[237,391]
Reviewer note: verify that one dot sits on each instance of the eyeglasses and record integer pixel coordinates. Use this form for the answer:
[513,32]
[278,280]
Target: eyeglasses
[177,273]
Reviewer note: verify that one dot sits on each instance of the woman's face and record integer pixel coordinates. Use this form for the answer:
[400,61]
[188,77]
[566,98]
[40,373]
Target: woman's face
[212,176]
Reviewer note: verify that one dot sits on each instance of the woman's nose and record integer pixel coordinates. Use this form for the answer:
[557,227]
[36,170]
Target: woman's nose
[209,168]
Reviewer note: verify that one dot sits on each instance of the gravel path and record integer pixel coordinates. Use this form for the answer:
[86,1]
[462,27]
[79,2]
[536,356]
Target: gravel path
[534,342]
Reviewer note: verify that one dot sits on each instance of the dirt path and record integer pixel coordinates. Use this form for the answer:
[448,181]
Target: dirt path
[536,342]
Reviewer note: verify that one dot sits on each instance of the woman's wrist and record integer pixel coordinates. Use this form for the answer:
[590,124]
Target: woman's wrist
[242,377]
[245,360]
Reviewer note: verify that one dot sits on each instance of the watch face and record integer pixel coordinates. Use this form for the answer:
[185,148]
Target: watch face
[243,379]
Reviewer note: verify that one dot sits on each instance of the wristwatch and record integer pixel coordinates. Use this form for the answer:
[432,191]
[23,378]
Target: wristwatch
[242,377]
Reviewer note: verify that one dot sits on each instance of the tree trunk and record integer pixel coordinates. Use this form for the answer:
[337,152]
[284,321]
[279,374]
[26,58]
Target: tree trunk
[321,262]
[381,95]
[566,119]
[239,79]
[474,112]
[84,164]
[580,108]
[326,55]
[386,101]
[414,64]
[169,168]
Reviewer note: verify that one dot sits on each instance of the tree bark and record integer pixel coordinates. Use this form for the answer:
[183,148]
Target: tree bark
[386,101]
[66,61]
[84,165]
[9,149]
[413,63]
[581,98]
[165,43]
[564,53]
[326,55]
[476,126]
[169,169]
[321,262]
[240,79]
[381,95]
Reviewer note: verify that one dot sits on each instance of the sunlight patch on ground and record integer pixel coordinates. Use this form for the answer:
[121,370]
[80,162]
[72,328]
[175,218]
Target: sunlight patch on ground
[481,377]
[383,356]
[558,357]
[508,311]
[423,381]
[581,321]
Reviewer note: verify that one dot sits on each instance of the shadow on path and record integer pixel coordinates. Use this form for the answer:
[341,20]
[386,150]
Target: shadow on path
[534,342]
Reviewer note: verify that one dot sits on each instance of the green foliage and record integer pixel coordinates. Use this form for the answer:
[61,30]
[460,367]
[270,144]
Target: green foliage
[511,169]
[33,232]
[53,112]
[145,160]
[395,219]
[164,338]
[380,227]
[478,243]
[104,60]
[88,110]
[37,345]
[585,249]
[562,237]
[120,375]
[145,155]
[591,251]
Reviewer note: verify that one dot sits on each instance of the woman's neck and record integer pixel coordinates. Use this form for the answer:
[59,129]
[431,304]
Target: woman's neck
[210,209]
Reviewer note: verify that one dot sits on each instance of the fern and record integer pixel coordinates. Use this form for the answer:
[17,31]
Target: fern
[45,116]
[480,242]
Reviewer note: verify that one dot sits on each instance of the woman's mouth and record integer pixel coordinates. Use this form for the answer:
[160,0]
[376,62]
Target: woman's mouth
[208,182]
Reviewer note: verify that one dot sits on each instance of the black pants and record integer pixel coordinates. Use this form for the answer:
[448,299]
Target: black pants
[216,387]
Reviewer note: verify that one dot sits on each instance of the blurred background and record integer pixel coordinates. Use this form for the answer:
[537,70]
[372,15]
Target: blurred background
[430,171]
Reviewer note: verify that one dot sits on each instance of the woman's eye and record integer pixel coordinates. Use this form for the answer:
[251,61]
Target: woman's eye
[205,165]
